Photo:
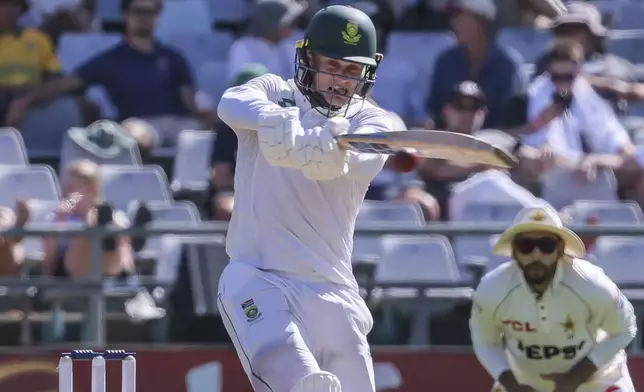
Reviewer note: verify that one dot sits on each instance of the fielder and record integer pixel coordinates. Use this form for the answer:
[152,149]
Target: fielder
[288,298]
[548,320]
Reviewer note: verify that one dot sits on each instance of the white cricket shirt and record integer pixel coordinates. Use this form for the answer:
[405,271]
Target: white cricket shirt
[582,314]
[283,221]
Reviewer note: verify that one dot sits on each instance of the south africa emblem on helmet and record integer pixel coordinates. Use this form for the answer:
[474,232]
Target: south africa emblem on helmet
[250,310]
[350,34]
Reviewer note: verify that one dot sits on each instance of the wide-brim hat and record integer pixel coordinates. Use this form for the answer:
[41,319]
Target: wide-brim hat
[539,219]
[582,14]
[104,139]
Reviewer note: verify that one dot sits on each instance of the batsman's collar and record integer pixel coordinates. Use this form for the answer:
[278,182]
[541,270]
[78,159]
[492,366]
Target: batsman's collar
[539,219]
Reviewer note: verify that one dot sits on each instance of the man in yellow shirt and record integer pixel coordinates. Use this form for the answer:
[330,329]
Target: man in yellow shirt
[27,57]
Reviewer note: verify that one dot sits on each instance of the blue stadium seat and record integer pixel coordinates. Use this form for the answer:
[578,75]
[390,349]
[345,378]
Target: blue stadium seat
[628,44]
[200,49]
[529,43]
[422,259]
[186,17]
[607,212]
[228,10]
[418,50]
[12,148]
[192,160]
[367,249]
[28,182]
[76,48]
[561,188]
[211,79]
[43,127]
[122,184]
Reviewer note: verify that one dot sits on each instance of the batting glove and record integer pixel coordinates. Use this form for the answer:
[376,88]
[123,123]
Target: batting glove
[277,132]
[324,159]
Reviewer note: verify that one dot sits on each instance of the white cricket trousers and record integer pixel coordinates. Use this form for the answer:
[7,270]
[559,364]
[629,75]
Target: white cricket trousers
[284,329]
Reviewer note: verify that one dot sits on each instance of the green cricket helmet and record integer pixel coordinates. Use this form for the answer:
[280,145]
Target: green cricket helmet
[342,33]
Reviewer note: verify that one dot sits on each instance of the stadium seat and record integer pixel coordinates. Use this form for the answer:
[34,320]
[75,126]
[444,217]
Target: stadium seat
[71,152]
[192,160]
[74,49]
[607,212]
[473,250]
[181,211]
[12,148]
[186,17]
[628,44]
[621,259]
[28,182]
[366,249]
[43,127]
[422,259]
[228,10]
[419,50]
[122,184]
[200,49]
[41,211]
[211,79]
[562,188]
[529,43]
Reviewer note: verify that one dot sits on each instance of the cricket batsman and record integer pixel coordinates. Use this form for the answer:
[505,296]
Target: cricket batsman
[549,320]
[288,298]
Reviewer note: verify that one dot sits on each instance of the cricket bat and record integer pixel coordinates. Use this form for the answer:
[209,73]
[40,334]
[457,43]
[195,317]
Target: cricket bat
[446,145]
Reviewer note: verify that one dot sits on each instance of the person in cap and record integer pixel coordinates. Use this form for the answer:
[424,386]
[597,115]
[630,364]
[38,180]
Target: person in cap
[265,41]
[549,320]
[289,297]
[465,112]
[477,57]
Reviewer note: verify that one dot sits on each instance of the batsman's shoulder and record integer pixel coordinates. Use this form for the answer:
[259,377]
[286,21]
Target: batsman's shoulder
[373,117]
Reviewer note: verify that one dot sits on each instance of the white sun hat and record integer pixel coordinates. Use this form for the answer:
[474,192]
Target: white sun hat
[539,219]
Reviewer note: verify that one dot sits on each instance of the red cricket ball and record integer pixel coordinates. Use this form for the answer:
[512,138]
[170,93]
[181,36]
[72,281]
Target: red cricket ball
[405,162]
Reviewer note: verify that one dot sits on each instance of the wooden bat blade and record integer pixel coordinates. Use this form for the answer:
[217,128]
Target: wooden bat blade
[430,144]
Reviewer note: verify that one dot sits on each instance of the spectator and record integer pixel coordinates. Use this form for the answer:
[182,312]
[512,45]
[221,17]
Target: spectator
[26,60]
[144,78]
[224,157]
[68,258]
[265,42]
[465,113]
[56,17]
[613,77]
[589,131]
[476,57]
[11,251]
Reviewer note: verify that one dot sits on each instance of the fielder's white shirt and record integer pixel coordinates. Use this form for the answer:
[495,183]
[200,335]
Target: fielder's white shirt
[582,314]
[283,221]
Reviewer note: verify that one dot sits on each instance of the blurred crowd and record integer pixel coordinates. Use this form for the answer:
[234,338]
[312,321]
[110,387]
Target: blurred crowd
[101,90]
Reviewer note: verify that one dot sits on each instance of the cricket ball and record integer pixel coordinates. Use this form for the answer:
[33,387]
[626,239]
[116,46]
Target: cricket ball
[405,162]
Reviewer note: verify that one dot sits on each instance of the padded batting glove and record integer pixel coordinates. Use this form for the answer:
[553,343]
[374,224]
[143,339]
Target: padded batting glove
[324,158]
[277,133]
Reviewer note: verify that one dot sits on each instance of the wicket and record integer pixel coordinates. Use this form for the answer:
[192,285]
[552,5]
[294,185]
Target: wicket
[66,369]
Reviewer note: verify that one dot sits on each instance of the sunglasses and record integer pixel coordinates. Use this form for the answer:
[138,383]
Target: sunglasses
[562,77]
[546,245]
